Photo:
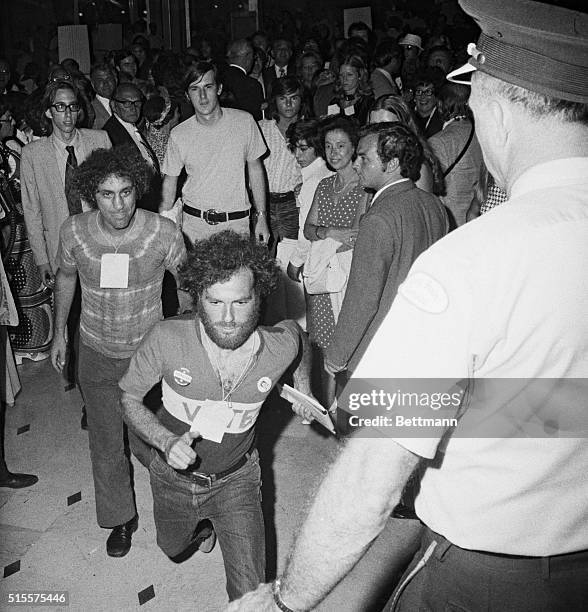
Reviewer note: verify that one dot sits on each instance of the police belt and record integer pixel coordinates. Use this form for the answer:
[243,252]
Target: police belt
[505,561]
[214,217]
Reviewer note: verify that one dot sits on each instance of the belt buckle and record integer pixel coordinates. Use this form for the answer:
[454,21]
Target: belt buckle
[206,216]
[207,478]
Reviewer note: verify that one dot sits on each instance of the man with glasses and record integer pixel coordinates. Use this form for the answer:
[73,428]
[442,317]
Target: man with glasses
[123,128]
[48,196]
[425,101]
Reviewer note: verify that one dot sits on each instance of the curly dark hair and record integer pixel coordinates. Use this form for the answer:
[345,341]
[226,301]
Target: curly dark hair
[122,162]
[218,258]
[397,141]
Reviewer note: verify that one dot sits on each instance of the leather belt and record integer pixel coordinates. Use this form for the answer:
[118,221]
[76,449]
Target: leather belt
[208,479]
[214,217]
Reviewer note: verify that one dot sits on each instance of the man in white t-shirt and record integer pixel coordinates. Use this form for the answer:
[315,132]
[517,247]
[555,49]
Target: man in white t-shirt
[492,319]
[219,148]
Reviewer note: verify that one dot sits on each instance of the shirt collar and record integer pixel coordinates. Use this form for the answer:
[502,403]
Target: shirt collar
[105,103]
[75,142]
[318,164]
[554,173]
[381,189]
[131,128]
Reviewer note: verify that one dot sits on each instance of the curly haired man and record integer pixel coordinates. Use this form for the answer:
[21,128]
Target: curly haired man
[217,368]
[120,254]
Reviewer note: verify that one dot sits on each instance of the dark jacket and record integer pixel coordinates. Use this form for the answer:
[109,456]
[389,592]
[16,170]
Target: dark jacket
[402,223]
[242,92]
[120,137]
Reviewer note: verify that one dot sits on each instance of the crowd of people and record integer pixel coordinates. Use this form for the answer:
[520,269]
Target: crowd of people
[313,208]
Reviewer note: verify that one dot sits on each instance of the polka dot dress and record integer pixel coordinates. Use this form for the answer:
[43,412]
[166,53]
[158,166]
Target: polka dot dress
[331,213]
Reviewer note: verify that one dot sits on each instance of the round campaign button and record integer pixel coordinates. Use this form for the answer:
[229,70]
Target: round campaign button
[264,384]
[182,377]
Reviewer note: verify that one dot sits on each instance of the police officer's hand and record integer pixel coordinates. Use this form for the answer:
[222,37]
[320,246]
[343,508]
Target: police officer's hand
[178,451]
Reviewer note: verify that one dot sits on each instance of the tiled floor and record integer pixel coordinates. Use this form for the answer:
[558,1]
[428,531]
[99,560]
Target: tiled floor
[49,539]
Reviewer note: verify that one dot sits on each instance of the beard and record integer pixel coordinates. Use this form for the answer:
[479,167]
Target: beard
[239,332]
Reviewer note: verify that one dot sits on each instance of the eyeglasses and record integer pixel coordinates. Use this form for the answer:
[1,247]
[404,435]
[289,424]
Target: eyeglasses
[128,104]
[61,107]
[424,94]
[9,120]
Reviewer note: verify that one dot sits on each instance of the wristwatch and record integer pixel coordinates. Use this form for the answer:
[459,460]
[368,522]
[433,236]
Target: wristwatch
[277,597]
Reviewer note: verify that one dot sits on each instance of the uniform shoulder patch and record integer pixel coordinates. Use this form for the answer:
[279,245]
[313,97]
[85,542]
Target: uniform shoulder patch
[424,292]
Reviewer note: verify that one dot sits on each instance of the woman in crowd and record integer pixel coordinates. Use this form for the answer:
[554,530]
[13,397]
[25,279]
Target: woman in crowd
[283,172]
[339,202]
[353,93]
[304,140]
[457,148]
[425,86]
[394,108]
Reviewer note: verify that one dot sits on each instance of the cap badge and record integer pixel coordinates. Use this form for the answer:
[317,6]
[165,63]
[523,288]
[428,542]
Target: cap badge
[476,53]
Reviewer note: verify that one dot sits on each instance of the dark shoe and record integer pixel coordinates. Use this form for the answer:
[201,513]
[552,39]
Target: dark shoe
[84,421]
[205,539]
[18,481]
[119,541]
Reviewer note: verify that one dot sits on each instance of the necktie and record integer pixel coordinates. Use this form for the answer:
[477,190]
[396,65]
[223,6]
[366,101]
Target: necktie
[152,158]
[282,73]
[72,196]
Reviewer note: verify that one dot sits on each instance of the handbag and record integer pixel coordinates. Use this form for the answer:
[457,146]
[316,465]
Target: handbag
[323,270]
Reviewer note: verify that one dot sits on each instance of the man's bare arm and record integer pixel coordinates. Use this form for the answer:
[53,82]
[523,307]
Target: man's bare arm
[65,287]
[349,511]
[168,192]
[177,449]
[257,184]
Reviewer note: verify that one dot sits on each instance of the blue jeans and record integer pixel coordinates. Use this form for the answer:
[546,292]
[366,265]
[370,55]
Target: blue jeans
[233,506]
[99,376]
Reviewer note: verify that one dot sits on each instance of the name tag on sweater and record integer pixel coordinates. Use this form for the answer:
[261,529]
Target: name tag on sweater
[114,271]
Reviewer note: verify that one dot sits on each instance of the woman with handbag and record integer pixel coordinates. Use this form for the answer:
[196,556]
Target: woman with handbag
[339,202]
[458,151]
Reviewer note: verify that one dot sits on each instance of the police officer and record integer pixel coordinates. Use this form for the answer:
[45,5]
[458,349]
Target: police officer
[500,303]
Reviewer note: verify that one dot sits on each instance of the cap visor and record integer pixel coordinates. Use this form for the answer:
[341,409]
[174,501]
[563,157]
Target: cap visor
[462,75]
